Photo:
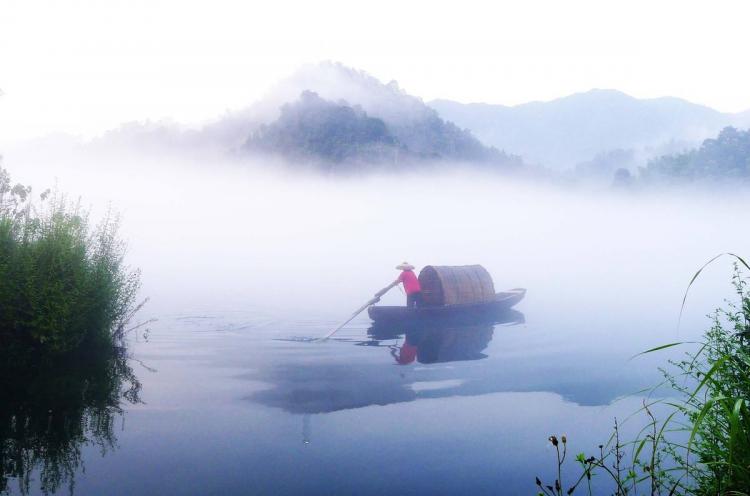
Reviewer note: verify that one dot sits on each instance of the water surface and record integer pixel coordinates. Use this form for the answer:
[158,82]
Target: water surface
[244,403]
[228,395]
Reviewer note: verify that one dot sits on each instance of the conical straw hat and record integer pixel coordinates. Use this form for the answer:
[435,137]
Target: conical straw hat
[405,266]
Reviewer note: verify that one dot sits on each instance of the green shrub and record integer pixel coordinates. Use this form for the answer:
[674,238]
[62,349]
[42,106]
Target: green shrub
[718,408]
[63,284]
[702,446]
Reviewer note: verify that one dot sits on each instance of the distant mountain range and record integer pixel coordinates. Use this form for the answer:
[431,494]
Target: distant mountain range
[564,132]
[330,113]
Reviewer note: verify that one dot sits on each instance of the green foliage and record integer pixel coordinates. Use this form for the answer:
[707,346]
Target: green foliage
[63,285]
[718,408]
[702,447]
[65,296]
[726,157]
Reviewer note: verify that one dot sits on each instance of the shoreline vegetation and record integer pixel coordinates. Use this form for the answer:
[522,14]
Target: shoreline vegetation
[66,297]
[702,444]
[64,287]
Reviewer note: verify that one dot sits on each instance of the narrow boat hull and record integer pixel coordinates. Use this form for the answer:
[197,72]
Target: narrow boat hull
[489,311]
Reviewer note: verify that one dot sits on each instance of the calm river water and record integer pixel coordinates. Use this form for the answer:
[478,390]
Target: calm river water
[229,396]
[243,403]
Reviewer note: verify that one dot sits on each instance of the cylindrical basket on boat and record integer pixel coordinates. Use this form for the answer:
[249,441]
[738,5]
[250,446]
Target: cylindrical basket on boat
[454,285]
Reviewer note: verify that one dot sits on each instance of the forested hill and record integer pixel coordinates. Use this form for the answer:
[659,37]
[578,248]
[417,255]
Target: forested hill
[727,157]
[338,135]
[333,132]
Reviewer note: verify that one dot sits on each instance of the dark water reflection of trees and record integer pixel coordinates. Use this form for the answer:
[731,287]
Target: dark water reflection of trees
[51,410]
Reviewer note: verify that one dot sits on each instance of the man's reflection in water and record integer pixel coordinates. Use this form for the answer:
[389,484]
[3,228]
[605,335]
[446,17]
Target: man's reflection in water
[406,353]
[50,409]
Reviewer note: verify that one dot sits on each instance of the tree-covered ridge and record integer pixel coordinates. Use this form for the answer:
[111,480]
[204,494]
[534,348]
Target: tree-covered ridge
[316,129]
[726,157]
[433,137]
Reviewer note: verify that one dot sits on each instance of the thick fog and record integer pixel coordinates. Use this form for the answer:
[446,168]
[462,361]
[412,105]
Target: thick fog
[212,236]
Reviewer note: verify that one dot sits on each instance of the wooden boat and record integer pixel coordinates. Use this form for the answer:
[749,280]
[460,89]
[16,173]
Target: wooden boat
[489,310]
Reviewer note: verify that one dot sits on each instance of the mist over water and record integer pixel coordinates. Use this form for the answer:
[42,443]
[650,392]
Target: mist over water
[239,259]
[228,235]
[269,168]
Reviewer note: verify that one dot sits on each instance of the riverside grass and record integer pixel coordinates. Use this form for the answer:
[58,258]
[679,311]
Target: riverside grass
[63,284]
[702,446]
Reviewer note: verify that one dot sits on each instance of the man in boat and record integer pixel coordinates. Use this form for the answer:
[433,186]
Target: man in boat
[411,285]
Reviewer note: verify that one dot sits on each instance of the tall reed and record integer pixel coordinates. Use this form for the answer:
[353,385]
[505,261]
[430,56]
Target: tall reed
[63,283]
[702,445]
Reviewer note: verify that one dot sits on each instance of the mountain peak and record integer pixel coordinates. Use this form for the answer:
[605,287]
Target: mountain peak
[604,93]
[593,96]
[335,81]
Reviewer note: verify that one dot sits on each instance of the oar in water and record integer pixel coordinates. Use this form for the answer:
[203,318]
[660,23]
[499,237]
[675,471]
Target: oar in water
[372,301]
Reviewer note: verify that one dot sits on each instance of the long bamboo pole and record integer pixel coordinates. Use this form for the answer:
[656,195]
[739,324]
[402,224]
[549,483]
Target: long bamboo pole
[372,301]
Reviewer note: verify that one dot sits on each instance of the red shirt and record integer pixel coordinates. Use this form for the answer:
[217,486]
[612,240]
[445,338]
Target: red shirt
[411,283]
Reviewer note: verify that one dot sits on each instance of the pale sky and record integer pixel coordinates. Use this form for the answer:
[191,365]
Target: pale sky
[84,66]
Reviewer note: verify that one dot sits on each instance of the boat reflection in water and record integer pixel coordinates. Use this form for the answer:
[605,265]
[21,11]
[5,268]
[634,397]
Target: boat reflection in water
[381,369]
[50,411]
[433,343]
